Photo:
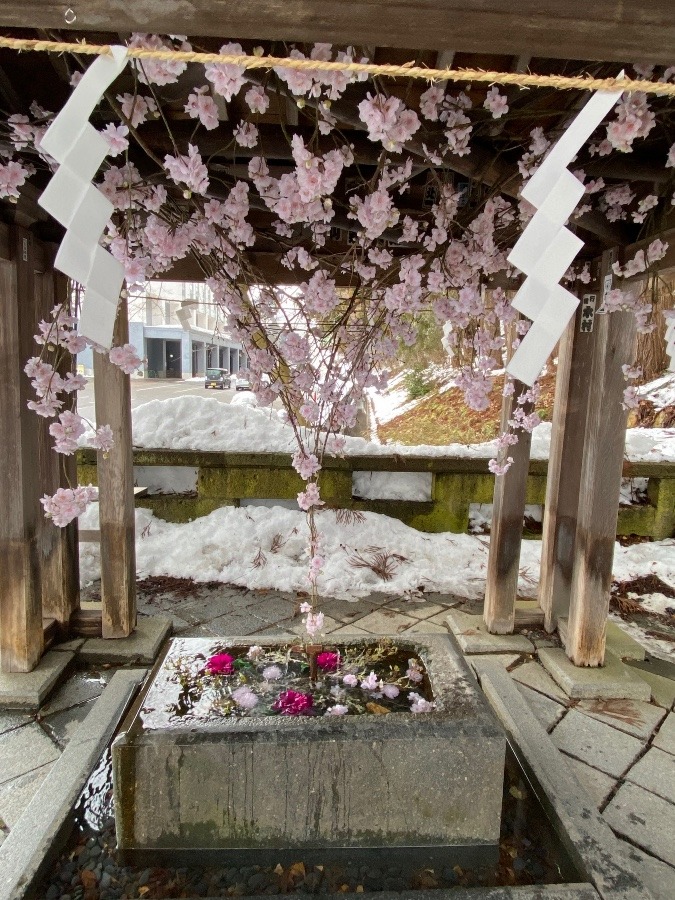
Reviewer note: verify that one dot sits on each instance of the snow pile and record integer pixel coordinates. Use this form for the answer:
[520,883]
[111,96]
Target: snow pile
[661,392]
[456,563]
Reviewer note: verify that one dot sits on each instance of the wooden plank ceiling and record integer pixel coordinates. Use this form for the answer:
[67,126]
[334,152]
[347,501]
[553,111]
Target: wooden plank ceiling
[496,144]
[601,30]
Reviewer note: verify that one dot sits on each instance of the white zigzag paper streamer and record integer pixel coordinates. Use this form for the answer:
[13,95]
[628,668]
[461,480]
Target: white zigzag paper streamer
[546,249]
[78,205]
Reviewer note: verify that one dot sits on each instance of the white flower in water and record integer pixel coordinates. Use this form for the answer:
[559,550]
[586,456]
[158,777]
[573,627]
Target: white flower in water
[255,653]
[271,673]
[338,692]
[370,683]
[350,680]
[419,704]
[243,696]
[390,690]
[337,710]
[414,673]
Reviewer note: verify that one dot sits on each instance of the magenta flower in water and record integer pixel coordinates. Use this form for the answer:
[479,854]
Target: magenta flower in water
[220,664]
[293,703]
[328,661]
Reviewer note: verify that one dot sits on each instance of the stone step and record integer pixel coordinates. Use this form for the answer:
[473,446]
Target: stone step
[613,681]
[620,643]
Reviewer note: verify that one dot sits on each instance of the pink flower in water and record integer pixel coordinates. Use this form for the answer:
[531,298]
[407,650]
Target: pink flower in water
[413,672]
[293,703]
[350,679]
[255,653]
[328,661]
[220,664]
[390,691]
[370,683]
[244,697]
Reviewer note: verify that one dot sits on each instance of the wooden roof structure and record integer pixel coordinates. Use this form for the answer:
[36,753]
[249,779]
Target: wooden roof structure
[535,35]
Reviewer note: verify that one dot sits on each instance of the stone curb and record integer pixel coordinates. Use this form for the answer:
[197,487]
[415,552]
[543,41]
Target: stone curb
[591,842]
[536,892]
[43,822]
[28,690]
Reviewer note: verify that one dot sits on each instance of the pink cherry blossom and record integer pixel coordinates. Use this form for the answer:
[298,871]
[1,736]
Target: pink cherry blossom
[314,623]
[116,136]
[103,439]
[189,170]
[418,704]
[338,710]
[158,71]
[497,103]
[126,358]
[306,465]
[200,105]
[136,108]
[256,99]
[246,134]
[67,504]
[67,431]
[227,79]
[12,176]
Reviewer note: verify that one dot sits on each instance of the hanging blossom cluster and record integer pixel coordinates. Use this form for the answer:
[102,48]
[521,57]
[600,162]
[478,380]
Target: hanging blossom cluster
[318,345]
[55,386]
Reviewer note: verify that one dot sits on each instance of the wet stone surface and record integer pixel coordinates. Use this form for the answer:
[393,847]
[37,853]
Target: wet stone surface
[90,865]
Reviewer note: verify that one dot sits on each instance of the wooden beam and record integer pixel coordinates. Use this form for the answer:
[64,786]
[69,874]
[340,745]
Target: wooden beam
[21,634]
[112,392]
[572,390]
[603,448]
[506,532]
[605,30]
[59,555]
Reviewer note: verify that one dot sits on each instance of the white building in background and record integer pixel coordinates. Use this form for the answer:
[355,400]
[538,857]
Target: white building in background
[177,331]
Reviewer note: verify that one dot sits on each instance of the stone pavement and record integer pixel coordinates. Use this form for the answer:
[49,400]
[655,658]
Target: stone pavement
[621,750]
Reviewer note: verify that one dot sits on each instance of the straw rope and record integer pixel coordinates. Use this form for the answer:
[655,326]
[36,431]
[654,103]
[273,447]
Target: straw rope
[521,79]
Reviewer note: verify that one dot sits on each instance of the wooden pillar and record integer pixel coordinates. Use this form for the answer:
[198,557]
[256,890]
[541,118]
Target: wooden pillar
[112,392]
[572,390]
[21,635]
[59,558]
[604,441]
[506,533]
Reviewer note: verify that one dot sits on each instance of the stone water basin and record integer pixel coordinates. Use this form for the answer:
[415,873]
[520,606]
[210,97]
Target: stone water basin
[287,783]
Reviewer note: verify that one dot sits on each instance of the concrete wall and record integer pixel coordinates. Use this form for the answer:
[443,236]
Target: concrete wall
[228,479]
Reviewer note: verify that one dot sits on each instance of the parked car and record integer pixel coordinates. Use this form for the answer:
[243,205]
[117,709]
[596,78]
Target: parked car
[217,378]
[243,381]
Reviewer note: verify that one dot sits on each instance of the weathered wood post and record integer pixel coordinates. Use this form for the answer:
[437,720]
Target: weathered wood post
[21,634]
[604,440]
[506,532]
[59,558]
[572,390]
[112,391]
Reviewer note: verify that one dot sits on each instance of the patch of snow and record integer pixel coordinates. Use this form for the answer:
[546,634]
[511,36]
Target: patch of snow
[656,603]
[392,485]
[244,398]
[166,479]
[633,491]
[661,391]
[480,516]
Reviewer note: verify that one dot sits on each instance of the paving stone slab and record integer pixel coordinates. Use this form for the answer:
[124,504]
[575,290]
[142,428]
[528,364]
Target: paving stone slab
[645,819]
[663,689]
[658,877]
[347,630]
[598,785]
[621,643]
[239,623]
[28,690]
[537,892]
[534,676]
[79,688]
[416,610]
[505,659]
[69,646]
[665,736]
[548,711]
[23,852]
[61,726]
[386,621]
[24,749]
[655,772]
[473,637]
[12,720]
[596,744]
[424,627]
[141,647]
[632,716]
[614,680]
[600,856]
[15,795]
